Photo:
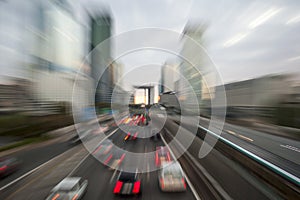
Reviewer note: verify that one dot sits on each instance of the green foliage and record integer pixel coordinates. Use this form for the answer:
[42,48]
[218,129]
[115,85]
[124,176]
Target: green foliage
[34,126]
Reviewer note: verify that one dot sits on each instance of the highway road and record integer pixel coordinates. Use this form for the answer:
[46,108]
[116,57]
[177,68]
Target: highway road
[283,152]
[102,179]
[34,157]
[213,177]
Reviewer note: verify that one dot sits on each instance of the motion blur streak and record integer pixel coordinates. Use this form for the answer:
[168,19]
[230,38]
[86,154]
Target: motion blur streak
[91,90]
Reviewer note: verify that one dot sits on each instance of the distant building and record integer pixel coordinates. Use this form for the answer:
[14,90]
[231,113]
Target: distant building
[168,75]
[117,73]
[14,94]
[258,97]
[144,94]
[102,71]
[56,55]
[191,80]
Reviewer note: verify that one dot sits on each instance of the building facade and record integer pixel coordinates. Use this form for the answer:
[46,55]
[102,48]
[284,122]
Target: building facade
[101,63]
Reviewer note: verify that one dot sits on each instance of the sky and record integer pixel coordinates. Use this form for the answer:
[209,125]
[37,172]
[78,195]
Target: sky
[245,39]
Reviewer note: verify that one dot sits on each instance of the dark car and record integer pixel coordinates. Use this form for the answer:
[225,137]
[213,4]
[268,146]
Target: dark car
[128,184]
[8,166]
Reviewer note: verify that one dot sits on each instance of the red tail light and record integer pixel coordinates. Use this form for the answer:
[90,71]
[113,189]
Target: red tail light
[136,187]
[98,149]
[75,197]
[184,184]
[122,158]
[168,156]
[135,135]
[4,167]
[162,184]
[156,159]
[118,187]
[108,159]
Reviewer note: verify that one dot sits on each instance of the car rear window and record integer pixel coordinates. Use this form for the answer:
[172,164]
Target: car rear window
[127,177]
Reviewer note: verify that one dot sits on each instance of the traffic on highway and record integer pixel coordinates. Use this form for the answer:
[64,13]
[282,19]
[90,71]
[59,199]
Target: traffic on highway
[113,171]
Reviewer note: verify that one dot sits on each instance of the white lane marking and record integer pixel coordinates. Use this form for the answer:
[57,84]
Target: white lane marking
[216,185]
[33,170]
[78,165]
[148,172]
[73,170]
[255,157]
[113,176]
[239,135]
[231,132]
[186,177]
[290,147]
[245,138]
[44,164]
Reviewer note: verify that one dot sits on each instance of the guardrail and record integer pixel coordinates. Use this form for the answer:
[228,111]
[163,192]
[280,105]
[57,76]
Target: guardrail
[284,181]
[271,166]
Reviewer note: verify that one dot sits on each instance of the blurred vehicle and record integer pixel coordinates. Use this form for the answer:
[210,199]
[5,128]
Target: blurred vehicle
[128,184]
[137,120]
[81,136]
[114,159]
[70,188]
[171,178]
[162,108]
[103,148]
[75,140]
[127,120]
[162,155]
[131,136]
[102,129]
[8,166]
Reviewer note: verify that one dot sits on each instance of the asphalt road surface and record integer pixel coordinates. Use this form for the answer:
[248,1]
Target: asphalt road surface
[207,176]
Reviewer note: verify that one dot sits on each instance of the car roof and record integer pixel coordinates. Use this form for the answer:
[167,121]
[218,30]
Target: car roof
[67,183]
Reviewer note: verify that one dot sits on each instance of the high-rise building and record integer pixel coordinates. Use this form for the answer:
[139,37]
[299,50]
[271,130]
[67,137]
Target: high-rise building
[101,56]
[117,72]
[191,80]
[168,76]
[55,47]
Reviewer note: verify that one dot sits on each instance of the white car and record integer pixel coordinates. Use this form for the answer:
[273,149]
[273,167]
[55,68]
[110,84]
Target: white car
[70,188]
[171,178]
